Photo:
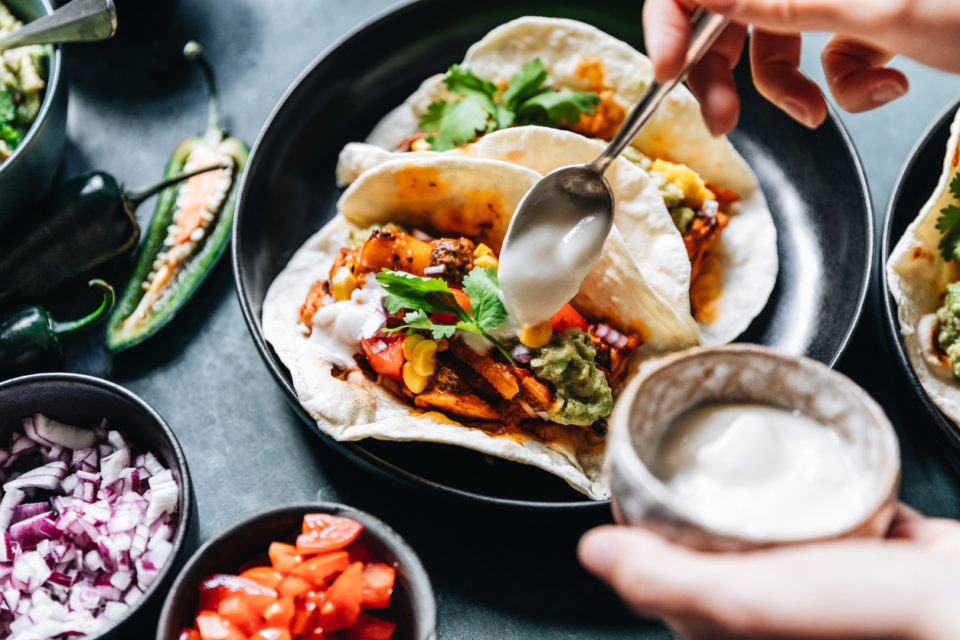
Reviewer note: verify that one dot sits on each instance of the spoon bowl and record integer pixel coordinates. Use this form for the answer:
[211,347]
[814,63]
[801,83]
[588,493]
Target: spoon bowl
[76,21]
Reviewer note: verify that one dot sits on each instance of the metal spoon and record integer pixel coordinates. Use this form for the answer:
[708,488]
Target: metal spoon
[76,21]
[560,225]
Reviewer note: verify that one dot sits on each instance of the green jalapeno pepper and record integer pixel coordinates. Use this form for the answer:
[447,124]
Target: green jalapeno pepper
[86,222]
[188,233]
[30,339]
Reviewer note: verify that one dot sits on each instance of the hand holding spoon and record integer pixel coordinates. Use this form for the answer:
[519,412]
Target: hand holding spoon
[76,21]
[559,228]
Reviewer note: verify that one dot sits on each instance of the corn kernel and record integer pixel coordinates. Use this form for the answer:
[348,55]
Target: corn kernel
[342,284]
[482,250]
[414,381]
[420,144]
[537,335]
[694,189]
[409,343]
[486,261]
[443,344]
[424,357]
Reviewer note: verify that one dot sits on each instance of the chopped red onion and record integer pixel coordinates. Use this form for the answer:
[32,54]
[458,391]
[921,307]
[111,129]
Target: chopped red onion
[434,270]
[420,234]
[710,208]
[84,534]
[521,354]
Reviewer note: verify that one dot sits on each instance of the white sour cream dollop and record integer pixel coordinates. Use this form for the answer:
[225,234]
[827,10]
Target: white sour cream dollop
[762,472]
[339,326]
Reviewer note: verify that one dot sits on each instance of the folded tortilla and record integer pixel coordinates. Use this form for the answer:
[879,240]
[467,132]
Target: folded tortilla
[476,198]
[917,276]
[740,277]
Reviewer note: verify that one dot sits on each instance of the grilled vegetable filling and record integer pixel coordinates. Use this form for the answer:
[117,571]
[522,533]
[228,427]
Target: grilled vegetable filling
[447,343]
[948,327]
[23,73]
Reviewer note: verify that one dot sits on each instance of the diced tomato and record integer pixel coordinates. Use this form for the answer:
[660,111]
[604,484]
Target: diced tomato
[267,576]
[280,613]
[189,634]
[320,569]
[568,318]
[370,628]
[236,610]
[448,318]
[294,586]
[378,580]
[343,599]
[283,557]
[213,627]
[272,633]
[216,588]
[323,533]
[385,354]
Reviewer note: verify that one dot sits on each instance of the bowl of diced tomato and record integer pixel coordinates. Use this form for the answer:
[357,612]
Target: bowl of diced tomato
[317,571]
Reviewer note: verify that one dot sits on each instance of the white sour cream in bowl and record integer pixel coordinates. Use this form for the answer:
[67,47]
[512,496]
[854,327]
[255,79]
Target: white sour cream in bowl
[738,447]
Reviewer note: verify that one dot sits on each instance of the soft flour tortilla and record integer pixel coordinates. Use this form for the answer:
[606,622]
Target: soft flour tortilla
[476,198]
[918,276]
[580,57]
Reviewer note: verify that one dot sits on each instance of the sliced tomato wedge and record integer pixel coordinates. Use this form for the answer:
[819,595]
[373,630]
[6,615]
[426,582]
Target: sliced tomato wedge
[385,354]
[344,596]
[378,580]
[266,576]
[216,588]
[213,627]
[189,634]
[272,633]
[236,610]
[280,613]
[567,318]
[370,628]
[283,557]
[323,533]
[320,569]
[294,586]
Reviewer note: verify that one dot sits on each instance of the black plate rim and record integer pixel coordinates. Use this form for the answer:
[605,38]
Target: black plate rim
[946,429]
[370,461]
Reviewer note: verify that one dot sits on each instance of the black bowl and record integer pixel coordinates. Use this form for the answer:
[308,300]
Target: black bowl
[412,605]
[917,180]
[288,192]
[84,400]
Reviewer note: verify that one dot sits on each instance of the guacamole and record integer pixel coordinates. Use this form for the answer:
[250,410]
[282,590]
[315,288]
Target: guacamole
[23,75]
[583,394]
[948,320]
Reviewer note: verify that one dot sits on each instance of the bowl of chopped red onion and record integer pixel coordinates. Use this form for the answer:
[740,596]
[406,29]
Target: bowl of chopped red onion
[95,506]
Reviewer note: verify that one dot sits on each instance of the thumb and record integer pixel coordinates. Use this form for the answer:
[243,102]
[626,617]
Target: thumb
[858,79]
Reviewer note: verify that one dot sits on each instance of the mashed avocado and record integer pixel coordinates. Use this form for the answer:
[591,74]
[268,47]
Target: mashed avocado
[948,335]
[671,190]
[582,390]
[22,81]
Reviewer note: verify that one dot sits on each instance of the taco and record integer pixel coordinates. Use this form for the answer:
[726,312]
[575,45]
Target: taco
[566,75]
[923,275]
[390,323]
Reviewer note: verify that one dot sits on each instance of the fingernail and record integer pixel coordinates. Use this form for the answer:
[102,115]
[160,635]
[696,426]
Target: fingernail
[596,552]
[886,92]
[796,111]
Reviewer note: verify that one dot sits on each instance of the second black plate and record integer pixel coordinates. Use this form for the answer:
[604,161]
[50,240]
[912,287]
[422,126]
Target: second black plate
[288,192]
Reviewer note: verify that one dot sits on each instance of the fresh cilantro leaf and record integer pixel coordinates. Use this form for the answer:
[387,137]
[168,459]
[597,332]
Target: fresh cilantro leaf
[406,291]
[556,108]
[955,186]
[949,225]
[10,135]
[463,82]
[525,85]
[419,320]
[452,124]
[483,288]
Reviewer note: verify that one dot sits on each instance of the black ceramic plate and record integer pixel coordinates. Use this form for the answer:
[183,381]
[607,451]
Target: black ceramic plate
[918,178]
[288,192]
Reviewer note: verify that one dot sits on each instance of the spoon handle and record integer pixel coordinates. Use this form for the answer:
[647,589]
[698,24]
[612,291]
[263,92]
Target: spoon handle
[76,21]
[705,28]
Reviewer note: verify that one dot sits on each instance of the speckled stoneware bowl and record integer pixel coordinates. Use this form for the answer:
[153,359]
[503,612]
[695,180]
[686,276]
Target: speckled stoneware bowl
[412,605]
[25,175]
[741,373]
[84,400]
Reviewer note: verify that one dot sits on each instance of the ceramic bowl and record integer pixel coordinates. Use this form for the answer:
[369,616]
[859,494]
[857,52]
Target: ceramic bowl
[84,400]
[25,175]
[412,605]
[742,373]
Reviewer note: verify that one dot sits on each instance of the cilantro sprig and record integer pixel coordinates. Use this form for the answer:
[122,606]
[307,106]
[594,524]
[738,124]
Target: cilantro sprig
[481,108]
[949,224]
[422,296]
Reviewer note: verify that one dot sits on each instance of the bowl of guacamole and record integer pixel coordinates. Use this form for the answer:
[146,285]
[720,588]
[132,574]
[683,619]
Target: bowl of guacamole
[33,103]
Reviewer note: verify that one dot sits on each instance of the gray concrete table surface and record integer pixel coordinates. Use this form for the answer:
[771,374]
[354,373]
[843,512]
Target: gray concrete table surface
[496,574]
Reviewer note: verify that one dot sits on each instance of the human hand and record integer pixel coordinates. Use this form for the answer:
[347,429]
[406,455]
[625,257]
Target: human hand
[906,586]
[868,34]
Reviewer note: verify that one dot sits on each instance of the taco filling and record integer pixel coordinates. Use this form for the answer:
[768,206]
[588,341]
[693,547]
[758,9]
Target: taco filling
[422,316]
